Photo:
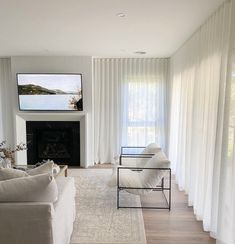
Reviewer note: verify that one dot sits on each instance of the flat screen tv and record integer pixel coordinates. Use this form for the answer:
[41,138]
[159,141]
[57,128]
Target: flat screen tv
[50,92]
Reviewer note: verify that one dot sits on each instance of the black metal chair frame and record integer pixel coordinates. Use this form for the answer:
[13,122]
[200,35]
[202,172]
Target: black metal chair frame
[133,155]
[123,147]
[161,188]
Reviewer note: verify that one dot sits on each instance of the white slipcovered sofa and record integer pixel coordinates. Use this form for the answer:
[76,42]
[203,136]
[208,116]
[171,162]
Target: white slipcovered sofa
[40,222]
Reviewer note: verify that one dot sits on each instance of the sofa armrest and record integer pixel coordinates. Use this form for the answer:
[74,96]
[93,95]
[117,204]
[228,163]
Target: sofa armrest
[26,223]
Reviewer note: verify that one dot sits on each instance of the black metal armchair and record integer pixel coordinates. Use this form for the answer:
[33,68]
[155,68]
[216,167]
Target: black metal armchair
[141,180]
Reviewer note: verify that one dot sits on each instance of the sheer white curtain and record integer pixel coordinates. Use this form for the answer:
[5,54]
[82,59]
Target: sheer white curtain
[198,98]
[129,104]
[226,205]
[144,113]
[107,121]
[5,101]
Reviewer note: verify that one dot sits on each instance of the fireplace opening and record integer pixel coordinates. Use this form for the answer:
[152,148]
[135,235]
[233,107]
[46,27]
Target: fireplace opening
[54,143]
[55,140]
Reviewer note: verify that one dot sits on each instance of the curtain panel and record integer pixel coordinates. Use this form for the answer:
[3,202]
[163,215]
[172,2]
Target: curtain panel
[130,104]
[6,124]
[224,228]
[199,78]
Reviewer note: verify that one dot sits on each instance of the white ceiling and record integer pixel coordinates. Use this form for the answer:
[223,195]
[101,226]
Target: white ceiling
[91,27]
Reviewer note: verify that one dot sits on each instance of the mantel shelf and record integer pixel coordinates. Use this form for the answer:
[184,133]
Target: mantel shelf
[52,116]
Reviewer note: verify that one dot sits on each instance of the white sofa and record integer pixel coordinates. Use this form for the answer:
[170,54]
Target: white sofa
[40,222]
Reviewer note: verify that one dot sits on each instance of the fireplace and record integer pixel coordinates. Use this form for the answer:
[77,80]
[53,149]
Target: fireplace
[55,140]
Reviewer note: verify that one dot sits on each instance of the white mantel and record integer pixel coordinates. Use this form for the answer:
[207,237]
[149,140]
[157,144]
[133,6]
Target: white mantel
[21,118]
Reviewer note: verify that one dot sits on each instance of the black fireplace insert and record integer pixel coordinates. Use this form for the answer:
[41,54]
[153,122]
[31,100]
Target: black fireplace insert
[55,140]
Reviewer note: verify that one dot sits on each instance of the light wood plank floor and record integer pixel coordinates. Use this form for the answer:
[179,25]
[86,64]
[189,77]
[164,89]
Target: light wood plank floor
[178,226]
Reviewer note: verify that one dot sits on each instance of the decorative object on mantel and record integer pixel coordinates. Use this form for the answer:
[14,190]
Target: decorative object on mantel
[7,153]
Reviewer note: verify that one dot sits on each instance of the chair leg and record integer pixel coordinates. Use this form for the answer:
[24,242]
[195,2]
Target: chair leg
[117,198]
[162,184]
[169,191]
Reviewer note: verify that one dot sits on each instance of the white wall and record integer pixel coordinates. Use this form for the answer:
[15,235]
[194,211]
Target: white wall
[59,64]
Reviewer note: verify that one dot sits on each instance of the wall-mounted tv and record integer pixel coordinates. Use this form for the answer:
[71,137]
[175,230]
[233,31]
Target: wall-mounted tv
[50,92]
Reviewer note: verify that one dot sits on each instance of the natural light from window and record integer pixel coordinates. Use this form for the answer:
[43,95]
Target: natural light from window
[143,112]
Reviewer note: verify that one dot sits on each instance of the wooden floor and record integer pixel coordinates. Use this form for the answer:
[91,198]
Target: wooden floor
[178,226]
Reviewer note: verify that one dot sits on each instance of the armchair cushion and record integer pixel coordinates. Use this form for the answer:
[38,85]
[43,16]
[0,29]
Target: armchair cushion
[151,148]
[151,178]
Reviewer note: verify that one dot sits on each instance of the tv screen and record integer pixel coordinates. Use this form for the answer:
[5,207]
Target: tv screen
[50,92]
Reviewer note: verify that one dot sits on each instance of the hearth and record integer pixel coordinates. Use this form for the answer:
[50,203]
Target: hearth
[55,140]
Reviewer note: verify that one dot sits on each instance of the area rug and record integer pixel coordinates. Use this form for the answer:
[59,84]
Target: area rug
[98,221]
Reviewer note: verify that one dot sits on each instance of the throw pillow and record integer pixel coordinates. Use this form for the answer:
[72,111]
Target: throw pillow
[151,148]
[152,177]
[42,169]
[39,188]
[9,173]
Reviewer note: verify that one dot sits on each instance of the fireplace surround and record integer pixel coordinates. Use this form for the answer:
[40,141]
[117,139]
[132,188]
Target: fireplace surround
[22,118]
[55,140]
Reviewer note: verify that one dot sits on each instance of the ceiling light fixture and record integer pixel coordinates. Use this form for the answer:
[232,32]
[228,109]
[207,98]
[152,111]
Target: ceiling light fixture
[121,15]
[140,52]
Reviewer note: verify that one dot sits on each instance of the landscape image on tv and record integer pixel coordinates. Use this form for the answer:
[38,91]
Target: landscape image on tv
[50,92]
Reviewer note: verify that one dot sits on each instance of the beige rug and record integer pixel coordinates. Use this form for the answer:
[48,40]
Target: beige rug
[97,219]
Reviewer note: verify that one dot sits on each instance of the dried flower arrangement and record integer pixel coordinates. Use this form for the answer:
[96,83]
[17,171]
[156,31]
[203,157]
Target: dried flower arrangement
[75,100]
[8,153]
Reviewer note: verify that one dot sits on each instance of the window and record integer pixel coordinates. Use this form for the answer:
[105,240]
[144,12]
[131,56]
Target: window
[143,119]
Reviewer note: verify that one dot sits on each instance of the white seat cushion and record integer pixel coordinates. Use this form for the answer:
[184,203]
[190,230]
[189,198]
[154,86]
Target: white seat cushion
[127,178]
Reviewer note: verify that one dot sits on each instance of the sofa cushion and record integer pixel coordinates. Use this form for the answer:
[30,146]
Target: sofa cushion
[39,188]
[42,169]
[9,173]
